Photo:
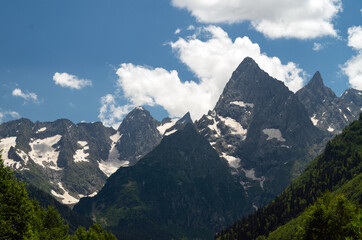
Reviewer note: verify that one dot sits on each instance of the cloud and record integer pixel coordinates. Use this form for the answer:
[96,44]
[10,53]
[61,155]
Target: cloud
[111,113]
[352,68]
[28,96]
[355,37]
[273,18]
[12,114]
[212,61]
[317,46]
[71,81]
[177,31]
[215,59]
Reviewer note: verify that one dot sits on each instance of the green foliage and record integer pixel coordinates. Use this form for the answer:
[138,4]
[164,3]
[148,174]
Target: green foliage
[331,218]
[16,212]
[340,163]
[21,218]
[94,233]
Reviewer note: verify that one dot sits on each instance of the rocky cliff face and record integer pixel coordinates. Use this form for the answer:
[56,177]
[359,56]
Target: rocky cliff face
[70,160]
[261,129]
[181,188]
[327,111]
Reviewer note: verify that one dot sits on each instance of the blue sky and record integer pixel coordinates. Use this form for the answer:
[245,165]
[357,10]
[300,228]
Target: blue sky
[90,60]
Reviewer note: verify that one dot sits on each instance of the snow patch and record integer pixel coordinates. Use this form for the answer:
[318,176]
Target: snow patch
[314,120]
[41,130]
[88,195]
[285,146]
[80,155]
[111,165]
[170,132]
[23,155]
[235,127]
[330,129]
[251,175]
[163,128]
[214,127]
[233,161]
[6,144]
[242,104]
[273,133]
[43,153]
[66,198]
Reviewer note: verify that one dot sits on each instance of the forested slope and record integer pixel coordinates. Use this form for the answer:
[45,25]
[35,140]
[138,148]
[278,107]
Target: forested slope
[336,166]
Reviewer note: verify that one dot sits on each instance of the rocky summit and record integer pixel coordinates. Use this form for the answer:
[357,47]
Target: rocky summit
[327,111]
[262,130]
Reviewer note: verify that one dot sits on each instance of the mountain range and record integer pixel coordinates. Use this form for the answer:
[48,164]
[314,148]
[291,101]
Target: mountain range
[337,171]
[177,177]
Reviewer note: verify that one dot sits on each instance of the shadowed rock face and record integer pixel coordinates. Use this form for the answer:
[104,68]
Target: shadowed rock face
[181,187]
[139,135]
[328,112]
[261,129]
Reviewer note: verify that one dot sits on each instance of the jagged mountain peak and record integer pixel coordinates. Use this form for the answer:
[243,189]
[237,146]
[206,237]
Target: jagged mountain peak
[181,184]
[316,81]
[185,119]
[250,84]
[180,124]
[248,62]
[351,92]
[139,134]
[317,88]
[135,117]
[328,112]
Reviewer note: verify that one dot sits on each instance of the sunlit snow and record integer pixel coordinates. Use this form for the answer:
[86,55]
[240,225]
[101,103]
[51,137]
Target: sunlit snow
[162,128]
[80,155]
[314,120]
[242,104]
[170,132]
[6,144]
[112,164]
[66,198]
[41,130]
[43,153]
[235,127]
[233,161]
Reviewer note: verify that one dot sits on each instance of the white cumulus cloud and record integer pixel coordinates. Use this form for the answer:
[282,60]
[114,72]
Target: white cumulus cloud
[355,37]
[177,31]
[274,18]
[12,114]
[111,113]
[212,61]
[71,81]
[28,96]
[353,67]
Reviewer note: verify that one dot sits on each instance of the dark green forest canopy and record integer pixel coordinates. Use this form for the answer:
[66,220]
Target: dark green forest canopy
[338,164]
[21,218]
